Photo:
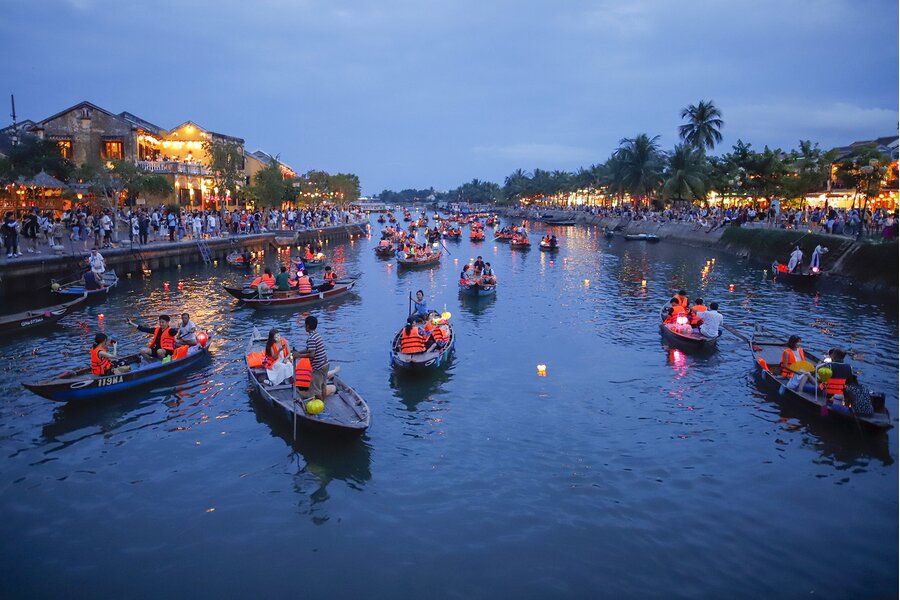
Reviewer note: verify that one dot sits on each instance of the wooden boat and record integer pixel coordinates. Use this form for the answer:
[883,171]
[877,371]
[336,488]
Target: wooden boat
[285,240]
[290,299]
[382,219]
[236,259]
[477,236]
[81,385]
[559,222]
[503,236]
[693,341]
[384,251]
[32,319]
[520,245]
[424,261]
[641,237]
[304,264]
[780,273]
[548,247]
[767,348]
[426,361]
[345,410]
[477,289]
[76,288]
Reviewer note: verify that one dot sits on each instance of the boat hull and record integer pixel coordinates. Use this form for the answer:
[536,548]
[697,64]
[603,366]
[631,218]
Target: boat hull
[422,363]
[291,300]
[808,279]
[38,318]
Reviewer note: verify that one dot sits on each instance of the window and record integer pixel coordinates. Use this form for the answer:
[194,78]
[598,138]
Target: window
[112,150]
[65,148]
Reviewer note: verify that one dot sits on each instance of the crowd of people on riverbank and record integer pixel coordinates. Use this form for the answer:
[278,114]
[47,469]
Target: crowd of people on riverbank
[853,222]
[89,227]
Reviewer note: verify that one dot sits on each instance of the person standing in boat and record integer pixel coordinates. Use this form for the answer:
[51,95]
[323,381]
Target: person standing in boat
[712,320]
[795,262]
[97,262]
[487,276]
[420,308]
[315,352]
[815,262]
[162,342]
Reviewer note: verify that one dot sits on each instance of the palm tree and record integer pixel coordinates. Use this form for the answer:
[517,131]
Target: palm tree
[702,128]
[637,166]
[685,176]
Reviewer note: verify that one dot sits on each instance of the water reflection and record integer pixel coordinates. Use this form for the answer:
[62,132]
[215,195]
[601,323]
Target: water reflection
[414,388]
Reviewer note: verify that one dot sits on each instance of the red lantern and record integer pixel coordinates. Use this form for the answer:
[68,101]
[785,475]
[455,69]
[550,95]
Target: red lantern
[202,338]
[166,286]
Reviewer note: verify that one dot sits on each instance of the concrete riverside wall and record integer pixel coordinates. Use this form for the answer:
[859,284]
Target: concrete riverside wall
[31,273]
[870,266]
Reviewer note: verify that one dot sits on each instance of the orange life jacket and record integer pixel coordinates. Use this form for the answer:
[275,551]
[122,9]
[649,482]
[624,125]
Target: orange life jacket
[695,318]
[682,300]
[304,285]
[99,366]
[412,342]
[270,356]
[162,339]
[788,358]
[309,255]
[303,373]
[266,279]
[835,386]
[438,334]
[329,276]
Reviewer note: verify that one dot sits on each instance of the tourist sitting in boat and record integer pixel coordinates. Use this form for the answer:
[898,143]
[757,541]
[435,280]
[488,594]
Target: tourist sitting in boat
[162,340]
[283,280]
[831,376]
[711,322]
[187,332]
[308,253]
[438,332]
[304,284]
[413,338]
[695,311]
[675,311]
[476,273]
[276,359]
[487,276]
[104,362]
[328,279]
[264,283]
[479,263]
[682,299]
[795,262]
[553,241]
[92,281]
[464,275]
[792,353]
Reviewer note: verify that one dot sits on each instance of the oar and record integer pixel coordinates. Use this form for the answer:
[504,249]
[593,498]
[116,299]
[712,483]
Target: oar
[294,399]
[445,248]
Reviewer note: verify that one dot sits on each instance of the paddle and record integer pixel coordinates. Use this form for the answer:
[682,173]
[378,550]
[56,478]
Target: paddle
[294,400]
[445,248]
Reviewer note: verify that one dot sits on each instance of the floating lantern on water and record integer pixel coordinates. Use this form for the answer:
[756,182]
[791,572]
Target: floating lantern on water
[101,317]
[587,282]
[166,286]
[643,283]
[731,287]
[815,269]
[455,261]
[551,263]
[202,338]
[178,265]
[180,285]
[542,370]
[435,245]
[215,263]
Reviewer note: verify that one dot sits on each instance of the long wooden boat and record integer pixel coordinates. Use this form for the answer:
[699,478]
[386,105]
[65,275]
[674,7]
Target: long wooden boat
[520,245]
[477,289]
[236,259]
[692,341]
[31,319]
[425,261]
[76,288]
[560,222]
[81,385]
[549,247]
[345,410]
[641,237]
[426,361]
[766,349]
[503,237]
[807,278]
[290,299]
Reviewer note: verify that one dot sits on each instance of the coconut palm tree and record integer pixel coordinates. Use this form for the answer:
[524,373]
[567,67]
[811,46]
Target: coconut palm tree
[686,176]
[702,129]
[637,166]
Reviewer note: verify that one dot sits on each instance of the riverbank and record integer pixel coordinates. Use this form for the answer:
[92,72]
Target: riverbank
[871,266]
[32,272]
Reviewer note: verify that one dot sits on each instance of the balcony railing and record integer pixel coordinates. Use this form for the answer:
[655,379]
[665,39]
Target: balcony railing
[173,167]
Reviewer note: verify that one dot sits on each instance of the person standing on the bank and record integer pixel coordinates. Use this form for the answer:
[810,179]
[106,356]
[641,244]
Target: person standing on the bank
[315,351]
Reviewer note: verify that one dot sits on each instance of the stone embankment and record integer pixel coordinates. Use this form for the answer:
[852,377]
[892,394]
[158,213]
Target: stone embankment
[30,273]
[872,266]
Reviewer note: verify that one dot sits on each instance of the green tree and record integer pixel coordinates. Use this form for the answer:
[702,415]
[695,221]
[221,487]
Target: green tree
[866,171]
[516,185]
[33,155]
[704,122]
[685,177]
[225,164]
[808,170]
[637,167]
[269,187]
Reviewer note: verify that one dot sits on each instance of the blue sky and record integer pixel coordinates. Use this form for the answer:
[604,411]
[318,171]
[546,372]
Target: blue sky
[412,93]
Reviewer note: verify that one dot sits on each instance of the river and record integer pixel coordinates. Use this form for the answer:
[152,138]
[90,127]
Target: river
[629,470]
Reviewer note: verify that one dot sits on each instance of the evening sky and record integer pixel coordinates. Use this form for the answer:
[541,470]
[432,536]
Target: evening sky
[412,93]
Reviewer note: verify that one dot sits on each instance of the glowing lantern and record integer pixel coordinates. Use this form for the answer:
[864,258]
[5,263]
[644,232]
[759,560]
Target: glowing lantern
[435,245]
[542,370]
[587,282]
[815,269]
[180,285]
[643,283]
[166,286]
[731,287]
[202,338]
[100,317]
[682,320]
[446,315]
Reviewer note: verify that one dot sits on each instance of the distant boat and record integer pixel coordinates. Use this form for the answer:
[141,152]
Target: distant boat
[32,319]
[559,222]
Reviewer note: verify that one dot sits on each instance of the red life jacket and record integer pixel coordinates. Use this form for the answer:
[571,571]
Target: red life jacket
[99,366]
[835,386]
[412,342]
[162,339]
[303,373]
[788,358]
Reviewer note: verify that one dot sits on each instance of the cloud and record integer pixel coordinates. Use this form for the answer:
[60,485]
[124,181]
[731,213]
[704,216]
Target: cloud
[532,151]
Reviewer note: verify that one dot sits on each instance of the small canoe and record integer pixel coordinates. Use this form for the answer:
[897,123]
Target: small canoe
[302,264]
[780,273]
[290,299]
[520,245]
[381,220]
[477,289]
[423,261]
[426,361]
[477,237]
[636,237]
[345,410]
[236,259]
[767,348]
[82,386]
[384,251]
[692,340]
[76,288]
[284,240]
[549,247]
[32,319]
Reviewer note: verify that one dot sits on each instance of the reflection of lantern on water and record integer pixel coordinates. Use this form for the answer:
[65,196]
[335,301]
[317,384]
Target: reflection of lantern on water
[455,261]
[676,356]
[551,263]
[542,370]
